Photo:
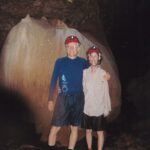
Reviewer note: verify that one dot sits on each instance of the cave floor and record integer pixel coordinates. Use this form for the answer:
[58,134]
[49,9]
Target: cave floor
[21,136]
[16,134]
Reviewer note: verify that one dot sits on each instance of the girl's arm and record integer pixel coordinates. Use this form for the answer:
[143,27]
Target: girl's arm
[84,81]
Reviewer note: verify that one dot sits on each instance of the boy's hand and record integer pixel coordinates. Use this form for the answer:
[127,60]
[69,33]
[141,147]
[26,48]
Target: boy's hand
[50,106]
[107,76]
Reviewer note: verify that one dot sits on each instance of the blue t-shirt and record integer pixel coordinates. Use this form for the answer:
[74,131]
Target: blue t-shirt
[69,73]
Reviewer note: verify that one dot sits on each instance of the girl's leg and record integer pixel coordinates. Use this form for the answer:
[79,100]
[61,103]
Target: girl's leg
[73,137]
[89,138]
[52,136]
[100,141]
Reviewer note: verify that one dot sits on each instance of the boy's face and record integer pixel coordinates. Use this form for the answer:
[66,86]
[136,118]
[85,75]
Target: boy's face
[72,49]
[94,58]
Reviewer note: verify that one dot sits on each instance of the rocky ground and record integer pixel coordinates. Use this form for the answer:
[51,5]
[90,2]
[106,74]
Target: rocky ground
[125,133]
[18,136]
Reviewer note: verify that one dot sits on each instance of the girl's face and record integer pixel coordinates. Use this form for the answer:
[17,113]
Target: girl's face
[94,58]
[72,49]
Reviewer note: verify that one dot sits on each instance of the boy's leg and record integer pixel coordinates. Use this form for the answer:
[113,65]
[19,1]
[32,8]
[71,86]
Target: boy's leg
[100,141]
[52,136]
[89,138]
[73,137]
[76,102]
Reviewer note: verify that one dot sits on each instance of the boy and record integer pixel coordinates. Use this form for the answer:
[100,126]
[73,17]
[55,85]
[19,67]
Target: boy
[68,71]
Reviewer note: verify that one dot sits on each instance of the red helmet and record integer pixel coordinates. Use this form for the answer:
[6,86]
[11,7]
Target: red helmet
[93,49]
[72,38]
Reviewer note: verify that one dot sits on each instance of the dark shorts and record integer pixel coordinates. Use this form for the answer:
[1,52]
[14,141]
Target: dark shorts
[68,110]
[93,122]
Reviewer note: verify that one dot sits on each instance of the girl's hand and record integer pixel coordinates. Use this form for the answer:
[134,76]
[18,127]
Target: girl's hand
[106,114]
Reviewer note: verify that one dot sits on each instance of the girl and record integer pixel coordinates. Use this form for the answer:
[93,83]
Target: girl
[97,100]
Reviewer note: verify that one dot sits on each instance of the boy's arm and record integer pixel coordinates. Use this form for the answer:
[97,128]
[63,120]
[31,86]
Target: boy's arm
[107,76]
[53,85]
[86,64]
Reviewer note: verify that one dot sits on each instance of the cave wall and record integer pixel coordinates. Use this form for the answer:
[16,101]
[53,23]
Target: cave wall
[75,13]
[27,59]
